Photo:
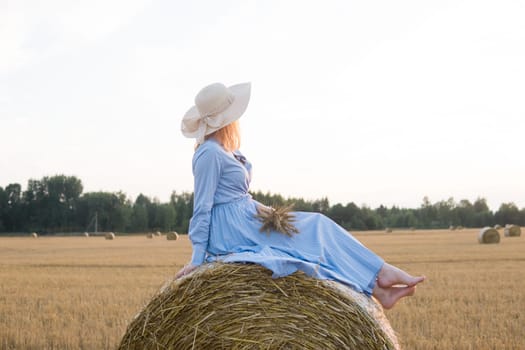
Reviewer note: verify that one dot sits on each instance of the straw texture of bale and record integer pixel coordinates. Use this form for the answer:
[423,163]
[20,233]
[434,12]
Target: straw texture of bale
[149,235]
[488,235]
[512,231]
[172,236]
[158,233]
[388,230]
[110,235]
[240,306]
[34,235]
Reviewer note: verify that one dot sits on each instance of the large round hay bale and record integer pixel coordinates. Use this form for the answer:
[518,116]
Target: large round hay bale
[240,306]
[172,236]
[512,231]
[149,235]
[388,230]
[34,235]
[452,228]
[110,235]
[488,235]
[158,233]
[86,234]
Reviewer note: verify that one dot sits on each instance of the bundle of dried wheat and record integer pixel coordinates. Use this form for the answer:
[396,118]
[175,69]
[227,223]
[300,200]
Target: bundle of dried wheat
[278,219]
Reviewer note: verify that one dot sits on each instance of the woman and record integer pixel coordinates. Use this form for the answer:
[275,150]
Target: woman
[225,225]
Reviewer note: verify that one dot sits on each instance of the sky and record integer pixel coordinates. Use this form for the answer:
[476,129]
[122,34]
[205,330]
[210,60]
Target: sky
[371,102]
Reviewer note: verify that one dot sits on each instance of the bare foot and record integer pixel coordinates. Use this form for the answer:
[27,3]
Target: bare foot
[388,297]
[390,276]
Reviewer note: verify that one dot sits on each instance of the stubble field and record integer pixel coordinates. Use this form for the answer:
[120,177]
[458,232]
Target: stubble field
[81,292]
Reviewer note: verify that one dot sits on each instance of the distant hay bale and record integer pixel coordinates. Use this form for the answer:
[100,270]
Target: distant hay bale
[240,306]
[459,228]
[34,235]
[149,235]
[488,235]
[452,228]
[158,233]
[172,236]
[388,230]
[512,231]
[86,234]
[110,235]
[412,229]
[497,227]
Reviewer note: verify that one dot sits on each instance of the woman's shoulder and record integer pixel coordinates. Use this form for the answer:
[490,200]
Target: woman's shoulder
[209,145]
[208,149]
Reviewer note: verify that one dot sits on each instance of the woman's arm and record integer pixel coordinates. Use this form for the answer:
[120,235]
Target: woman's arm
[206,173]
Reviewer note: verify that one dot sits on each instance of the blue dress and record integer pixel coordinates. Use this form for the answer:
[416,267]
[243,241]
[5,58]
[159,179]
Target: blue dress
[224,228]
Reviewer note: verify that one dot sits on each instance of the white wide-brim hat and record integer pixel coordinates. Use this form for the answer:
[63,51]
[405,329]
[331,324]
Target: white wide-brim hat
[215,107]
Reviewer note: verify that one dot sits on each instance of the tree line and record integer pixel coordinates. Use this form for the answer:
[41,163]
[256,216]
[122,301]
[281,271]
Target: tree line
[56,204]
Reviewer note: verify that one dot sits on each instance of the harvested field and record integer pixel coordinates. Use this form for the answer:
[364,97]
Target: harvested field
[78,293]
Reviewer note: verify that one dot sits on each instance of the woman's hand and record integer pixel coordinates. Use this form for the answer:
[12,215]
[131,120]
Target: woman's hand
[185,270]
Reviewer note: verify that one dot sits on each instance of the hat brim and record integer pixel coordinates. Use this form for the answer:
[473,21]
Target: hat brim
[241,97]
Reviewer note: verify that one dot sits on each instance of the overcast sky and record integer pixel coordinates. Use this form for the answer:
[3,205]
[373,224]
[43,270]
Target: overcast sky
[372,102]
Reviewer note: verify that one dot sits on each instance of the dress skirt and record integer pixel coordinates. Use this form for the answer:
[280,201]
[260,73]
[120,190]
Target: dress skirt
[322,249]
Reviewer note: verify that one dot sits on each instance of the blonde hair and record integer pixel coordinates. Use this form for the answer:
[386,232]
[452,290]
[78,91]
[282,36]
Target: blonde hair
[229,136]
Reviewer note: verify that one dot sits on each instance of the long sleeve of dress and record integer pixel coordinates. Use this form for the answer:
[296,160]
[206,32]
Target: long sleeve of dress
[206,173]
